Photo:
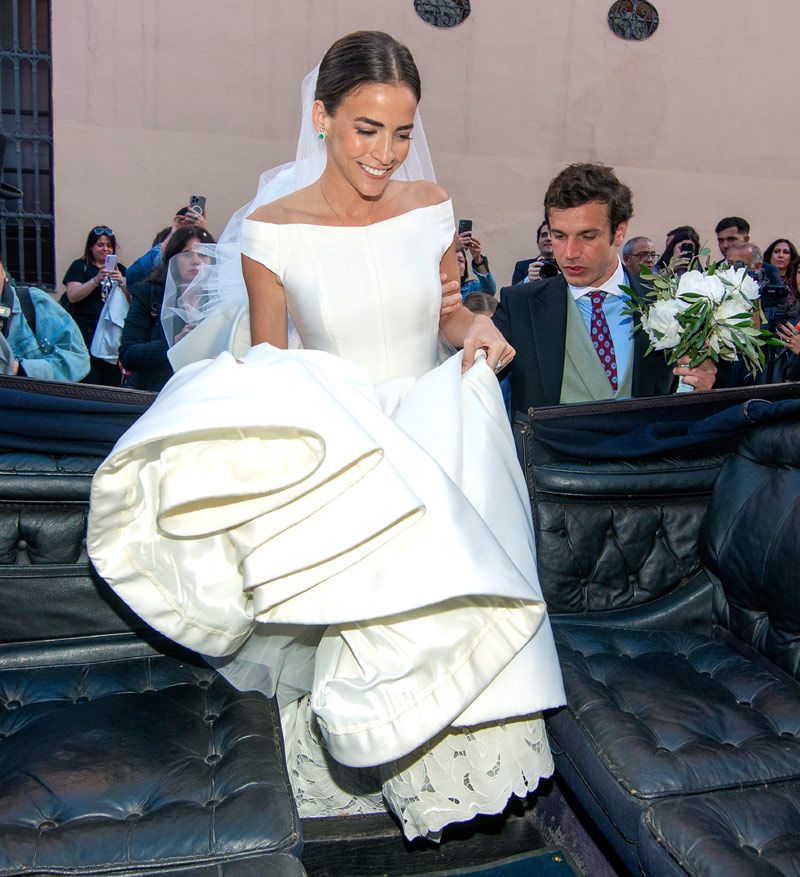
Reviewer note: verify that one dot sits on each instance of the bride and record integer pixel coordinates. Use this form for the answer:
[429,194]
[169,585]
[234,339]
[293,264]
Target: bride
[345,526]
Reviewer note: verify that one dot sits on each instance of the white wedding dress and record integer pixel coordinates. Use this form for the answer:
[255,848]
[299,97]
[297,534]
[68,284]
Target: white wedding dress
[346,526]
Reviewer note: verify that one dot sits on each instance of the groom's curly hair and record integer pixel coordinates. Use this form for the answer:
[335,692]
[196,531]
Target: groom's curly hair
[580,184]
[363,58]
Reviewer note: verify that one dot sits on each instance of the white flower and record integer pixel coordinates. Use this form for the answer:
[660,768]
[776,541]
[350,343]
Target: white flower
[733,305]
[722,335]
[740,281]
[709,286]
[661,324]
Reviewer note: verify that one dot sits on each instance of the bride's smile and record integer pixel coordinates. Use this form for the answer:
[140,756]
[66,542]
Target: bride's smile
[368,138]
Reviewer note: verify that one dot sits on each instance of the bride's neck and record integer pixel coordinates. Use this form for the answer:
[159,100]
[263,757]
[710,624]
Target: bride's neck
[344,201]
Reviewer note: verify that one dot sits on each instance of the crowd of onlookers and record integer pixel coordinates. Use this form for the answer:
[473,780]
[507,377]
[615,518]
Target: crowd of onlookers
[107,328]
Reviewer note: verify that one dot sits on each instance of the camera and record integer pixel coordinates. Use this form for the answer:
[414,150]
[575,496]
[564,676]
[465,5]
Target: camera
[686,249]
[549,269]
[772,296]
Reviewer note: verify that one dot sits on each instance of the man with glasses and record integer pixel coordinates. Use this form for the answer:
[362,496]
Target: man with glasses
[639,251]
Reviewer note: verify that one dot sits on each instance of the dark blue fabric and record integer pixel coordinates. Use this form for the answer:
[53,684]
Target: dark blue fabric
[619,435]
[50,424]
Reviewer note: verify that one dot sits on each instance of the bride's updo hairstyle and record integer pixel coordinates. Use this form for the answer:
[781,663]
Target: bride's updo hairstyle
[364,58]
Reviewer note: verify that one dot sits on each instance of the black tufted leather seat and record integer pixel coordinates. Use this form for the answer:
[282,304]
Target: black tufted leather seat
[725,833]
[681,675]
[119,753]
[655,714]
[118,764]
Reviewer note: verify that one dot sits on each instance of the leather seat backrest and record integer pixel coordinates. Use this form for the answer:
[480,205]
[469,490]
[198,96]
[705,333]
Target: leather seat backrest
[751,541]
[48,587]
[617,535]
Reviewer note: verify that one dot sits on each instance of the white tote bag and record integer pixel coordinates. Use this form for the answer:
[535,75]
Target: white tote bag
[108,332]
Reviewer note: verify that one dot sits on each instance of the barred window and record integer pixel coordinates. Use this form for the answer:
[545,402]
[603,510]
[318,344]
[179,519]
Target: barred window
[27,238]
[633,19]
[442,13]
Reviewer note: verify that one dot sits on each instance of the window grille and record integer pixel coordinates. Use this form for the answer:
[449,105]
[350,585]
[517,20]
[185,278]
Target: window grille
[27,234]
[633,19]
[442,13]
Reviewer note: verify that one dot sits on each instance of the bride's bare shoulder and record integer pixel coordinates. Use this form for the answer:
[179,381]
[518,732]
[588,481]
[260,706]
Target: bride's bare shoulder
[421,193]
[297,207]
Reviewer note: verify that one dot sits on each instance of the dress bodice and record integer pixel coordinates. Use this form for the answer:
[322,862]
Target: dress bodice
[370,294]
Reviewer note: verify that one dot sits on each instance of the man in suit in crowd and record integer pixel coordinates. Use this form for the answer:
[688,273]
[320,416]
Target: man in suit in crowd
[733,231]
[639,251]
[573,341]
[528,270]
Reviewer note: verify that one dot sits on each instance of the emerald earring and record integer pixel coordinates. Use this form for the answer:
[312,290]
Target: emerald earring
[321,135]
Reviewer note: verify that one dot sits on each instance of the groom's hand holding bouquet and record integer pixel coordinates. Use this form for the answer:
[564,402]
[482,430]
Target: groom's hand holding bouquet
[701,317]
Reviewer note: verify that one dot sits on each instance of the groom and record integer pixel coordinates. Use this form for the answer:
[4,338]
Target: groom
[574,342]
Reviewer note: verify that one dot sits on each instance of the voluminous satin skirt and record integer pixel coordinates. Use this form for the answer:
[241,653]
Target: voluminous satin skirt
[368,546]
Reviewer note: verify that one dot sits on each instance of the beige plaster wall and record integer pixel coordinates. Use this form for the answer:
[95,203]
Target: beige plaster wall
[154,99]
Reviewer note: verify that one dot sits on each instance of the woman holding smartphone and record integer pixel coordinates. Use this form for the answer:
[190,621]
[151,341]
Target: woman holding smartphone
[87,282]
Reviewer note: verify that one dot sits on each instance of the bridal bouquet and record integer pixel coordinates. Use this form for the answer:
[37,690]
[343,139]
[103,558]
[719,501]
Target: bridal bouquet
[705,313]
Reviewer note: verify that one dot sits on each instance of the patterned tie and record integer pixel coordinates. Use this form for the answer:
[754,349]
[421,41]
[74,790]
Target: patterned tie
[601,338]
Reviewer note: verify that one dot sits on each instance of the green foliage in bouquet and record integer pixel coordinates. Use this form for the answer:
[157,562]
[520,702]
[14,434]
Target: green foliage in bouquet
[708,312]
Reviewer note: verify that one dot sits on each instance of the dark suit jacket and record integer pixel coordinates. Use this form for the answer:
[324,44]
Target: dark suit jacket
[771,274]
[521,271]
[533,318]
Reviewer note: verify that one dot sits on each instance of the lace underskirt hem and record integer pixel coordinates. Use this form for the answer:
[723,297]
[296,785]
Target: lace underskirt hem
[459,774]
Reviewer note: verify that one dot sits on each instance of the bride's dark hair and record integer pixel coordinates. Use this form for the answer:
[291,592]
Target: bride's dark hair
[362,58]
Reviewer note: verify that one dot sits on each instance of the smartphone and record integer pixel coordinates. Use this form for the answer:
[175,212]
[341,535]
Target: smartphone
[687,248]
[465,226]
[197,202]
[111,262]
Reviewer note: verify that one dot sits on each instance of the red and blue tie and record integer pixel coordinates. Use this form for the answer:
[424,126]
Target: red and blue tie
[601,338]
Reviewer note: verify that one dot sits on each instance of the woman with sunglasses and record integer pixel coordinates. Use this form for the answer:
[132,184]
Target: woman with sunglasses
[84,291]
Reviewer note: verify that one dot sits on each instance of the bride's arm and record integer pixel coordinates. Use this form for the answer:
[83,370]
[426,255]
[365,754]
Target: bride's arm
[267,299]
[471,331]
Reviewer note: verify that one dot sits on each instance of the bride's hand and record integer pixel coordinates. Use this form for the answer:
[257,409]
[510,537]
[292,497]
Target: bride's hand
[451,296]
[484,335]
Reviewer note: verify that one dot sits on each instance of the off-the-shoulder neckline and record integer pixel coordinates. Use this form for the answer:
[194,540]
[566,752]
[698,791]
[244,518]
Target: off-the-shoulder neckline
[369,225]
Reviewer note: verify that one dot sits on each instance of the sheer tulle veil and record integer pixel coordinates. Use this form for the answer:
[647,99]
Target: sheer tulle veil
[216,298]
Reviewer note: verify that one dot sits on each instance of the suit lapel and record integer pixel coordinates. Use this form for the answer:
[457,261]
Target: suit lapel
[548,315]
[646,368]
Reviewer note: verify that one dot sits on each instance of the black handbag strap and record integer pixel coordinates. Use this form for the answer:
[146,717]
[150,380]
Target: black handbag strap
[7,303]
[25,303]
[28,308]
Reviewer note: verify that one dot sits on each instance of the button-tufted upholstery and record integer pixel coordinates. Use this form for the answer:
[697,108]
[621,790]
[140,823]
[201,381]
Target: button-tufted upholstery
[670,713]
[119,753]
[665,716]
[123,763]
[718,834]
[752,542]
[615,535]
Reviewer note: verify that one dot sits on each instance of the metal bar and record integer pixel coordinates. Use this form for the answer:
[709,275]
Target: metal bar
[38,240]
[33,226]
[15,23]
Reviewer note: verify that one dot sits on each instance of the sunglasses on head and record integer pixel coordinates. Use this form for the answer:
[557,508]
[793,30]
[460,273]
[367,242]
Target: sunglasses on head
[103,229]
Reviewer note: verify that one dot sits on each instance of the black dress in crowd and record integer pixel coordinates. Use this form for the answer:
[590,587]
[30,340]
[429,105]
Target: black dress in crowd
[86,313]
[143,349]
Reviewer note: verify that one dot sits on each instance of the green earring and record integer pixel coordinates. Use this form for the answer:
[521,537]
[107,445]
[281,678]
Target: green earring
[321,135]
